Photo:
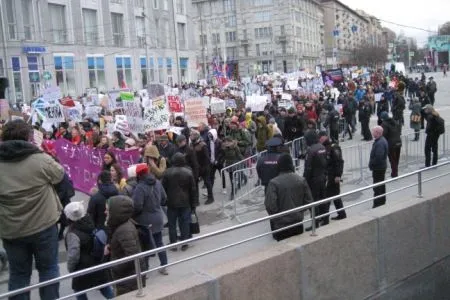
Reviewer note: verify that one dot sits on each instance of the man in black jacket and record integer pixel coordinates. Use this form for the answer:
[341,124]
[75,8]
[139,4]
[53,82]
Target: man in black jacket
[378,165]
[182,198]
[97,203]
[335,168]
[332,122]
[293,126]
[391,132]
[166,148]
[314,173]
[204,163]
[267,165]
[190,157]
[399,105]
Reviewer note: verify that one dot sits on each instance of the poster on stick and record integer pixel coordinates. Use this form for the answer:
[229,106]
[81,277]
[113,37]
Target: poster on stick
[156,117]
[217,106]
[175,105]
[256,103]
[53,112]
[132,109]
[195,111]
[51,95]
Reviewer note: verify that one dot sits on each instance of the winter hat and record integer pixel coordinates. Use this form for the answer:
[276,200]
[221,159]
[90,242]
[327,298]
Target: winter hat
[384,115]
[181,138]
[141,169]
[75,211]
[151,151]
[131,171]
[285,163]
[291,110]
[130,142]
[377,132]
[195,135]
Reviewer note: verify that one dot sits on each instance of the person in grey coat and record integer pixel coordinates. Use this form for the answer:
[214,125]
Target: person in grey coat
[378,165]
[148,197]
[286,191]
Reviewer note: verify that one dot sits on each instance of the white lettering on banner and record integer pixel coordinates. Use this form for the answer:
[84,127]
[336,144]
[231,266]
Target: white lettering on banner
[256,103]
[156,117]
[217,106]
[133,112]
[53,113]
[195,111]
[51,95]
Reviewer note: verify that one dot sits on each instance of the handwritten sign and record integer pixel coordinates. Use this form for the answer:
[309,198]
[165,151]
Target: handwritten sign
[175,104]
[73,114]
[51,95]
[378,97]
[133,112]
[195,111]
[231,103]
[53,113]
[217,106]
[256,103]
[156,117]
[121,124]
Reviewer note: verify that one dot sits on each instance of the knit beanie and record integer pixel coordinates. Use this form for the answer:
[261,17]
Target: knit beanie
[75,211]
[141,169]
[285,163]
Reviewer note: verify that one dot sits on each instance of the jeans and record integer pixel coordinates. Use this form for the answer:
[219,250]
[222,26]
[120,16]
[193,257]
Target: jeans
[209,185]
[394,158]
[43,246]
[378,176]
[431,145]
[183,216]
[107,292]
[157,236]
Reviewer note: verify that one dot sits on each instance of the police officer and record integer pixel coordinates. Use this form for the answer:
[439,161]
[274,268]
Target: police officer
[335,168]
[315,170]
[267,165]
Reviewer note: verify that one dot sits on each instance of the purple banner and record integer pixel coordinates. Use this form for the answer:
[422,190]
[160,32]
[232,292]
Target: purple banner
[83,164]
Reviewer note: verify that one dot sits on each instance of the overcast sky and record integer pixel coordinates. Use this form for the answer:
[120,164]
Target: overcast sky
[426,14]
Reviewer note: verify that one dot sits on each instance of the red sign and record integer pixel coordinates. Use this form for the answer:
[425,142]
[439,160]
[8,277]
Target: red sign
[174,104]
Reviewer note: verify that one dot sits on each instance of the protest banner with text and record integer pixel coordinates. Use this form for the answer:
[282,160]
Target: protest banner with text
[195,111]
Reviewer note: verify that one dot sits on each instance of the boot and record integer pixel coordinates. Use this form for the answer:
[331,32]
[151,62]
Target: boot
[209,201]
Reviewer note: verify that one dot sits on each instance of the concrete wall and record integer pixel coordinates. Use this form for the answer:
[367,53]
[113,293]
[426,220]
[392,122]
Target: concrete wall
[400,251]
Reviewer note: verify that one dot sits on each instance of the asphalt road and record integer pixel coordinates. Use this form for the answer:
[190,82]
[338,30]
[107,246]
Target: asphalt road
[213,217]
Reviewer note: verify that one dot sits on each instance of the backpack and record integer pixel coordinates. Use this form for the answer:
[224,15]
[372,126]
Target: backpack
[440,129]
[100,240]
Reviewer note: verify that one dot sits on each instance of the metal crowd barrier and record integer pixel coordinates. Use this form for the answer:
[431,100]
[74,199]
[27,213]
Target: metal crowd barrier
[139,276]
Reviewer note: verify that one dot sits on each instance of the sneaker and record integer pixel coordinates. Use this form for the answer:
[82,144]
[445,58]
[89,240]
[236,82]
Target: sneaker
[163,271]
[209,201]
[184,247]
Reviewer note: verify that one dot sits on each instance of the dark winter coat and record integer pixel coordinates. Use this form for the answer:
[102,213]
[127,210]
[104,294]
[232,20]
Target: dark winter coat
[335,162]
[379,154]
[190,159]
[128,190]
[398,106]
[167,152]
[293,127]
[267,166]
[230,153]
[97,203]
[285,192]
[180,185]
[262,133]
[416,111]
[148,197]
[203,157]
[242,139]
[79,244]
[392,133]
[315,160]
[124,241]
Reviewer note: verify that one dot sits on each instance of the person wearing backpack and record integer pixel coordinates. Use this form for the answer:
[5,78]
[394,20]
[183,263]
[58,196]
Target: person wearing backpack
[435,127]
[79,243]
[148,197]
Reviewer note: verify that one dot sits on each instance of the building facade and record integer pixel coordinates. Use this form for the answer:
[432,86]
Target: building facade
[345,31]
[103,44]
[258,36]
[375,30]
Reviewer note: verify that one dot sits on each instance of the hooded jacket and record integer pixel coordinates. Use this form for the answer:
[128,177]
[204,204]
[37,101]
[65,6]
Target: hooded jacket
[158,168]
[79,245]
[315,160]
[28,200]
[148,197]
[180,185]
[230,153]
[262,133]
[392,133]
[214,147]
[97,203]
[124,241]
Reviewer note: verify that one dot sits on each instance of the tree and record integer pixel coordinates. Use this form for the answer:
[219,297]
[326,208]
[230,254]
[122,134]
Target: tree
[370,56]
[445,29]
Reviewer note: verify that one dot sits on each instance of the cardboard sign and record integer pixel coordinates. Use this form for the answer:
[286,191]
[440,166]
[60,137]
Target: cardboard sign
[277,90]
[121,124]
[174,103]
[256,103]
[51,95]
[217,106]
[292,85]
[157,116]
[230,103]
[38,138]
[93,112]
[73,114]
[114,103]
[53,113]
[285,103]
[195,111]
[133,111]
[4,110]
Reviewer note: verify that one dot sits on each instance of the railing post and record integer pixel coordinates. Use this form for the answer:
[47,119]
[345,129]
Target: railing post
[419,184]
[313,221]
[137,266]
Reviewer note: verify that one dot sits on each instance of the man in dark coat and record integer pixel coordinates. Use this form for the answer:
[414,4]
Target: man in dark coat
[431,89]
[391,132]
[315,171]
[286,191]
[378,164]
[182,198]
[267,164]
[204,162]
[166,148]
[97,203]
[188,152]
[399,105]
[332,123]
[364,118]
[293,126]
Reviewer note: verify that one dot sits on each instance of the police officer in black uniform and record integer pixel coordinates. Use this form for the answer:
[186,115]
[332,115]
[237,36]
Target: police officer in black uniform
[315,170]
[267,164]
[335,168]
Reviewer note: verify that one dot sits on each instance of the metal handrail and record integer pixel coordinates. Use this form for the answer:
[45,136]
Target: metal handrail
[138,256]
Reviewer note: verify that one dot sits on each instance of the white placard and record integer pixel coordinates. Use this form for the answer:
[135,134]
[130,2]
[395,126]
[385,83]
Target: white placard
[285,96]
[121,124]
[278,90]
[195,111]
[133,111]
[292,85]
[74,114]
[378,97]
[156,117]
[217,106]
[53,112]
[51,95]
[256,103]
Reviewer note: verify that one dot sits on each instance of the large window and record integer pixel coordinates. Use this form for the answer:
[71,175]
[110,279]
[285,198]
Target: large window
[17,77]
[2,68]
[124,71]
[263,49]
[184,62]
[232,53]
[203,40]
[262,2]
[33,68]
[216,38]
[169,66]
[143,61]
[96,69]
[229,5]
[230,21]
[140,32]
[27,19]
[164,35]
[166,4]
[11,17]
[181,35]
[58,22]
[230,36]
[90,26]
[180,7]
[117,28]
[161,70]
[65,74]
[155,4]
[152,70]
[263,16]
[262,33]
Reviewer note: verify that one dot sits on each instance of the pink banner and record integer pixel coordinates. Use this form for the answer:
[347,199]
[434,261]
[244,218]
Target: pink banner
[83,164]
